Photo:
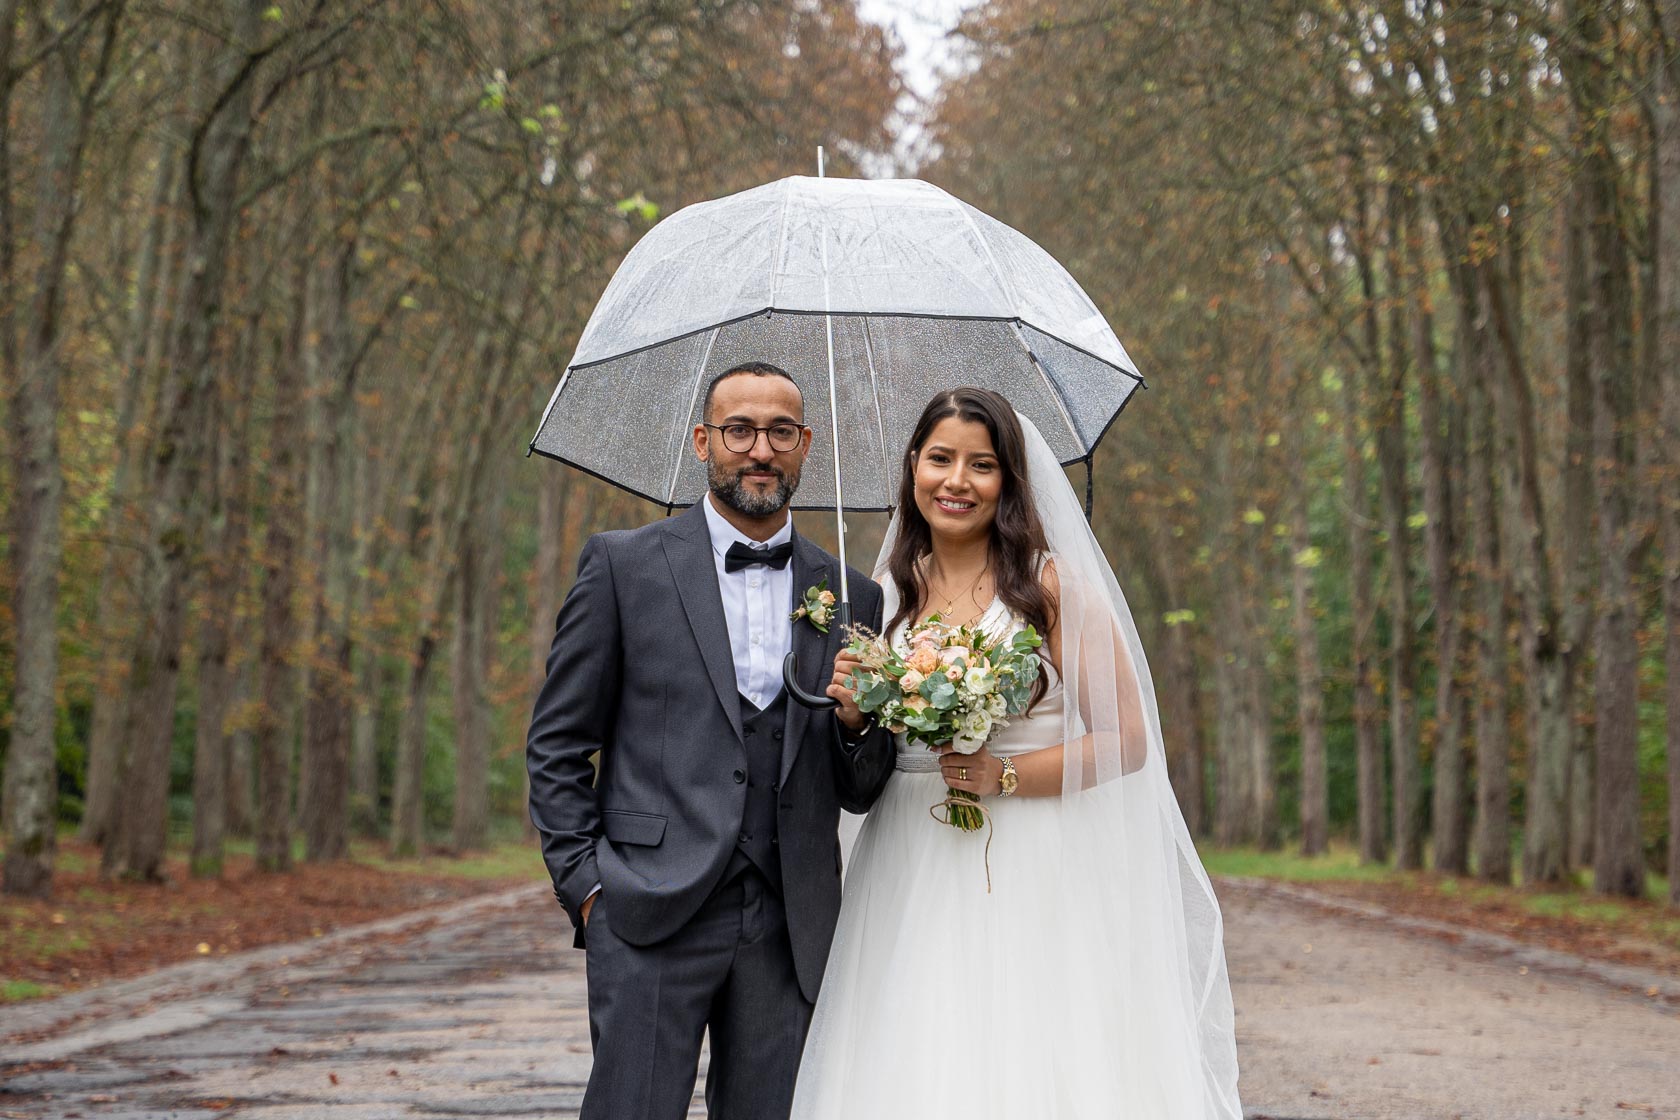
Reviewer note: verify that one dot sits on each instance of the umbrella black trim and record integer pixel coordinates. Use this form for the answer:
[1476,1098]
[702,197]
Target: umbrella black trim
[668,507]
[533,449]
[1142,384]
[769,311]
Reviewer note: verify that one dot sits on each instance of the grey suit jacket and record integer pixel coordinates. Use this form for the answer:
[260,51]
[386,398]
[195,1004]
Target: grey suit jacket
[640,670]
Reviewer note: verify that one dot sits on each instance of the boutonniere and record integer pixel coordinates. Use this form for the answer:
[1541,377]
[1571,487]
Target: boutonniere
[818,606]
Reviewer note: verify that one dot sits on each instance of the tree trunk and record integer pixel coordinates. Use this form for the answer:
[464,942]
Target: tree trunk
[1402,698]
[364,744]
[1309,666]
[323,795]
[276,670]
[1576,552]
[369,668]
[1440,538]
[1493,765]
[226,548]
[1667,222]
[146,325]
[1545,660]
[469,665]
[1233,818]
[557,500]
[215,639]
[1180,693]
[1187,764]
[238,810]
[30,797]
[407,820]
[136,846]
[497,353]
[1373,832]
[1618,861]
[1236,817]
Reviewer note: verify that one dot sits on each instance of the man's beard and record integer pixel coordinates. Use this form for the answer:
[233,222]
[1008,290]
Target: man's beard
[732,491]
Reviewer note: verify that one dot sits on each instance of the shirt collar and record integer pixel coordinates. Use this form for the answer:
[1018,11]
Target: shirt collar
[724,534]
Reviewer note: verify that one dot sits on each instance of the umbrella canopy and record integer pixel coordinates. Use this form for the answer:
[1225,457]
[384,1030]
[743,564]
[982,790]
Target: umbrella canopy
[894,287]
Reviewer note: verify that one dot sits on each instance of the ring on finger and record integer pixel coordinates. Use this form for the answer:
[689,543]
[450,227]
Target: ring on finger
[962,773]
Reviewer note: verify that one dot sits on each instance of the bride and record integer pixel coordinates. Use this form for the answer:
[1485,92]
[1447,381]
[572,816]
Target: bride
[1089,980]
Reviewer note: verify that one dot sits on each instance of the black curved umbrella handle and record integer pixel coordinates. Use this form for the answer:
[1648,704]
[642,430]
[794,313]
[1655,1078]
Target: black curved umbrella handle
[790,678]
[790,670]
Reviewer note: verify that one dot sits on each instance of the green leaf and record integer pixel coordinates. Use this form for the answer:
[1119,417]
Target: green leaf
[531,125]
[273,14]
[639,205]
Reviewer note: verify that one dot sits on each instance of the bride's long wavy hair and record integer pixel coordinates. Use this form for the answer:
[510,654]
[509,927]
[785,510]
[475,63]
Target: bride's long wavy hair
[1018,539]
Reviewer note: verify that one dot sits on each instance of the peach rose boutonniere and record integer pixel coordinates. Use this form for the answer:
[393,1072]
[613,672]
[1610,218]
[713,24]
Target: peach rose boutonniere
[818,606]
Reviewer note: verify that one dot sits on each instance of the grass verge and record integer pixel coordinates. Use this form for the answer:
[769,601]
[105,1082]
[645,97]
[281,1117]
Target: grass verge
[92,930]
[1570,918]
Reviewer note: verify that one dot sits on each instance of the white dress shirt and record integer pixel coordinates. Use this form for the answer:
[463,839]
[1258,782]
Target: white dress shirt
[756,604]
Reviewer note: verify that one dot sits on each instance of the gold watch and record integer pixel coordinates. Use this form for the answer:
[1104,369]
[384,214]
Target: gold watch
[1009,780]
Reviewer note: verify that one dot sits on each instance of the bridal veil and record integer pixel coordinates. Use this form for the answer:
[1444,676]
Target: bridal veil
[1139,914]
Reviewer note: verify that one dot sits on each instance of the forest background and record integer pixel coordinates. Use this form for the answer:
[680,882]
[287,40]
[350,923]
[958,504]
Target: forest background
[284,289]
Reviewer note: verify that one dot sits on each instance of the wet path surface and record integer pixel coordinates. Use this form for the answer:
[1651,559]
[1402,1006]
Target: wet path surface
[479,1010]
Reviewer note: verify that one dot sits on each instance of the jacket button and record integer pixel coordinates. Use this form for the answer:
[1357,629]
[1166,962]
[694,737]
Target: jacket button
[776,734]
[745,839]
[740,776]
[776,787]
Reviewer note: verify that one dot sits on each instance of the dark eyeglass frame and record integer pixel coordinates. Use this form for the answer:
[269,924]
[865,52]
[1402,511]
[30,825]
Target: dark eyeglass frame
[723,431]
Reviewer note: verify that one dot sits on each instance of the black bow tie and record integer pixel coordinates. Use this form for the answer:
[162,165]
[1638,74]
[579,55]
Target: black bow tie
[741,556]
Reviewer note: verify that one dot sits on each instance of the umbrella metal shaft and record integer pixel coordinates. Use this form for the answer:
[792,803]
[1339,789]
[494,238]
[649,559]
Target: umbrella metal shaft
[839,501]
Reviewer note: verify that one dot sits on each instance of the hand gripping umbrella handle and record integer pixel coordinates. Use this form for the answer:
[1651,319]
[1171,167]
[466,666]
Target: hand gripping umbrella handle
[790,670]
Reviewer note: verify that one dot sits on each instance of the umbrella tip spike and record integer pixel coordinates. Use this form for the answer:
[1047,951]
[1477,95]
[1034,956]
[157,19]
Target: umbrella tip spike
[819,161]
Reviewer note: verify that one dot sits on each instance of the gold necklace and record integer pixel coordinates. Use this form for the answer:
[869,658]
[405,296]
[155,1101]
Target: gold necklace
[951,603]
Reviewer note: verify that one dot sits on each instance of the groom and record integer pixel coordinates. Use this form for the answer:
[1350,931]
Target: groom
[701,868]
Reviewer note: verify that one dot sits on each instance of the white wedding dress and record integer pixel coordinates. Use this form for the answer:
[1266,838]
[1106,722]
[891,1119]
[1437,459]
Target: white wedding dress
[943,1000]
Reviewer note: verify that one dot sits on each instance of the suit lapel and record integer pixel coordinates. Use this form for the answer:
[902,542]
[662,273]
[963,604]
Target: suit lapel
[813,649]
[688,550]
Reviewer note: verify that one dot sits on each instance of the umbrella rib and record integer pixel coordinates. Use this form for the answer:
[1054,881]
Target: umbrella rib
[875,395]
[1051,388]
[1003,281]
[777,262]
[564,377]
[767,310]
[693,395]
[834,428]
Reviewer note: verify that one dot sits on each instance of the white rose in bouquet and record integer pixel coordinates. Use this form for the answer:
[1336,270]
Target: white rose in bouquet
[972,732]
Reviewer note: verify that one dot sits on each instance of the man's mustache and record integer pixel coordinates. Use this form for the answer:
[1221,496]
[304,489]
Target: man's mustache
[744,471]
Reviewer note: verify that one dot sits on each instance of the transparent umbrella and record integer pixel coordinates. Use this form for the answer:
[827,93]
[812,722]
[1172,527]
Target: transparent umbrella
[873,294]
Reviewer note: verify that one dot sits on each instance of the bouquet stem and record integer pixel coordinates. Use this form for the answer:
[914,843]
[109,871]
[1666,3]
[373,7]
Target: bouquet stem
[967,817]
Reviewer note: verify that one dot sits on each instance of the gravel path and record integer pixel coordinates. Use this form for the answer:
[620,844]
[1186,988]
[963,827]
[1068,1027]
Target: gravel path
[478,1010]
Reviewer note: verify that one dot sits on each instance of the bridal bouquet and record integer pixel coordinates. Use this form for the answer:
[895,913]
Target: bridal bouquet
[956,686]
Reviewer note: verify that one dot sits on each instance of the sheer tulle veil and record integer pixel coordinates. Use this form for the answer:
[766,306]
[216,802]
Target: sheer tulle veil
[1122,838]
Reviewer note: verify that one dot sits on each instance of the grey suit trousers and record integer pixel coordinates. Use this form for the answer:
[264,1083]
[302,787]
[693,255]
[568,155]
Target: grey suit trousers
[730,965]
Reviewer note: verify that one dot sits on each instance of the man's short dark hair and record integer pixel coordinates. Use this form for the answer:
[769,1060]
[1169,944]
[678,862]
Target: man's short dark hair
[757,369]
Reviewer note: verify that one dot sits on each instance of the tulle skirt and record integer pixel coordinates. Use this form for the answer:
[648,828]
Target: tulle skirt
[1036,1000]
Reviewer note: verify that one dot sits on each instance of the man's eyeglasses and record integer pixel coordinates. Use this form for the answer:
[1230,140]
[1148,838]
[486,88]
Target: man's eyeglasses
[740,438]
